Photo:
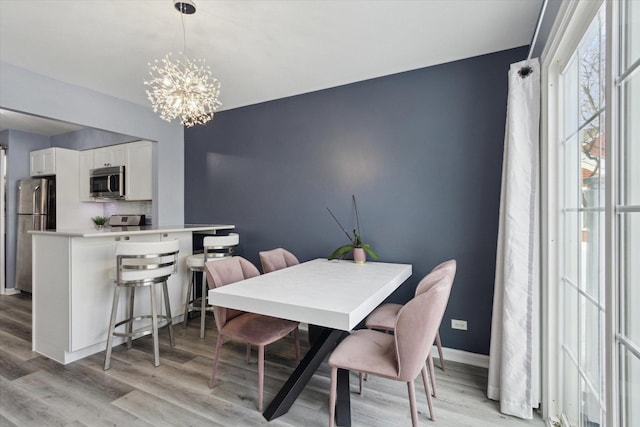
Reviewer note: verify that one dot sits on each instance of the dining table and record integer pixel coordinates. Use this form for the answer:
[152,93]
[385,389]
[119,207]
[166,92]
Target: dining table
[331,296]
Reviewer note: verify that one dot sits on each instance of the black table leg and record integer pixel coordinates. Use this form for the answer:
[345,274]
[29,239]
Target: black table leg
[322,345]
[343,399]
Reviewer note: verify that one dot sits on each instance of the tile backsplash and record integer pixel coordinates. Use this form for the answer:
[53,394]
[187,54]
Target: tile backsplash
[130,208]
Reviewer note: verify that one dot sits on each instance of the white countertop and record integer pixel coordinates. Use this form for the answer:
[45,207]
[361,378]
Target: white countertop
[128,231]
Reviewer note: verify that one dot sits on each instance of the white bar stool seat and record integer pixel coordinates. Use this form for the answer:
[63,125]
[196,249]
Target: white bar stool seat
[215,248]
[142,264]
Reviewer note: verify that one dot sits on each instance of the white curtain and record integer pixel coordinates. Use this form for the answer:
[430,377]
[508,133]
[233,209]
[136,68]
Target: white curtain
[514,359]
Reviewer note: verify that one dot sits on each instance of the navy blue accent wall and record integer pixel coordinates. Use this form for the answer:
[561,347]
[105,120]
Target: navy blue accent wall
[421,150]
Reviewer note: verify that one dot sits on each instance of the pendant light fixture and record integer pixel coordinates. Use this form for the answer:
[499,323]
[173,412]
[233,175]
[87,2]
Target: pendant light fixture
[181,87]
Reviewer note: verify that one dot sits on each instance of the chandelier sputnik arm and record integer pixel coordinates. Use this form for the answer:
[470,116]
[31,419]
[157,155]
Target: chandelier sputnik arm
[181,87]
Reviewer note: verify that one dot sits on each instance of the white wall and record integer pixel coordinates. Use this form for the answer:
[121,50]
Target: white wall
[25,91]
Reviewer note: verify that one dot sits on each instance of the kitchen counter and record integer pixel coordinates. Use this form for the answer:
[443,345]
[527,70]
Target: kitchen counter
[73,286]
[131,231]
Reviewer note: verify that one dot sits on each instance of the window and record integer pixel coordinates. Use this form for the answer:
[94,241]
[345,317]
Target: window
[593,218]
[627,215]
[582,150]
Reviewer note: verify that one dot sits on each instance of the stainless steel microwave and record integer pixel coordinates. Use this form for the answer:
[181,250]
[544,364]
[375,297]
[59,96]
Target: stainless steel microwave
[107,183]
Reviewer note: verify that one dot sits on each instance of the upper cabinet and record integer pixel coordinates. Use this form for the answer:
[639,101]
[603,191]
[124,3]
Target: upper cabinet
[43,162]
[86,164]
[115,155]
[137,159]
[139,171]
[64,164]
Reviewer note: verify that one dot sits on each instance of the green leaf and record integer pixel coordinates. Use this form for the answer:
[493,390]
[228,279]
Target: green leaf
[341,251]
[369,251]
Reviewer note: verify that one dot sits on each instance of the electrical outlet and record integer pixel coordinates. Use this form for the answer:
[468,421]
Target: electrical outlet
[459,324]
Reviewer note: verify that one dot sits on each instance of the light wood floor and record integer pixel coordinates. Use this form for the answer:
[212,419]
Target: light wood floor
[36,391]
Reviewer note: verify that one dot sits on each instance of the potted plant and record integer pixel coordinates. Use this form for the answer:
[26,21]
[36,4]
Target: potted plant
[99,221]
[360,250]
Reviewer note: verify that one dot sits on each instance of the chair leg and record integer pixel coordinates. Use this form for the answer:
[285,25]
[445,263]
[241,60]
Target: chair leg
[154,325]
[427,392]
[432,374]
[188,299]
[214,367]
[132,295]
[412,403]
[112,322]
[297,338]
[439,345]
[361,382]
[167,307]
[260,375]
[332,396]
[203,304]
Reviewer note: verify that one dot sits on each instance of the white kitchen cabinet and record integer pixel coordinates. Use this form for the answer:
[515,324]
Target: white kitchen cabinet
[73,288]
[64,164]
[137,159]
[86,164]
[43,162]
[91,304]
[139,171]
[114,155]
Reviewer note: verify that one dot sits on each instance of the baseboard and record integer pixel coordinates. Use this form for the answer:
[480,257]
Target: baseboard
[10,291]
[461,356]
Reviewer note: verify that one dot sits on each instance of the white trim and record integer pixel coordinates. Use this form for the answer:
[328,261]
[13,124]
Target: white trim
[572,20]
[3,271]
[613,415]
[461,356]
[10,291]
[553,422]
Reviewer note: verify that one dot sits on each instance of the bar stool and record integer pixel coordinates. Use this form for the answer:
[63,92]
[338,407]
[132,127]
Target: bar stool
[215,248]
[143,264]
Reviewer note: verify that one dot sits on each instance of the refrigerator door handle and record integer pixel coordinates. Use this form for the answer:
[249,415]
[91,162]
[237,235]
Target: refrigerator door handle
[35,193]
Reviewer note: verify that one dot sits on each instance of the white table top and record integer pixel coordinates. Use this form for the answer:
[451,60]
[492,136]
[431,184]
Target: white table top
[334,294]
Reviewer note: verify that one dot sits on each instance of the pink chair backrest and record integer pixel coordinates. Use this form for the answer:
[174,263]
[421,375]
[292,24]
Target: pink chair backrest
[223,272]
[431,279]
[277,259]
[416,327]
[449,266]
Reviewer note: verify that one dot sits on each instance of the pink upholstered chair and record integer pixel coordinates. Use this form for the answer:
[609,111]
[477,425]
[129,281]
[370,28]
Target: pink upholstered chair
[254,329]
[277,259]
[399,356]
[384,316]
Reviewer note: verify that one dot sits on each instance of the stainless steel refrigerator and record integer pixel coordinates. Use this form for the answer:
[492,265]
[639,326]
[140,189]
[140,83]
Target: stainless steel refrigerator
[36,211]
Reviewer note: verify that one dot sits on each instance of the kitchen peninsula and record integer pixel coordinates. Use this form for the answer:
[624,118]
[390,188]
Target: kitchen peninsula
[73,272]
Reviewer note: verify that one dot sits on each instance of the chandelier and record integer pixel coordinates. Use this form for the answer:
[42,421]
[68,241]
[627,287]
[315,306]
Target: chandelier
[182,87]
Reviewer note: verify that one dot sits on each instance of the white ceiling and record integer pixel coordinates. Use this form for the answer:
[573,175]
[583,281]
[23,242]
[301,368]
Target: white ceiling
[33,124]
[260,50]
